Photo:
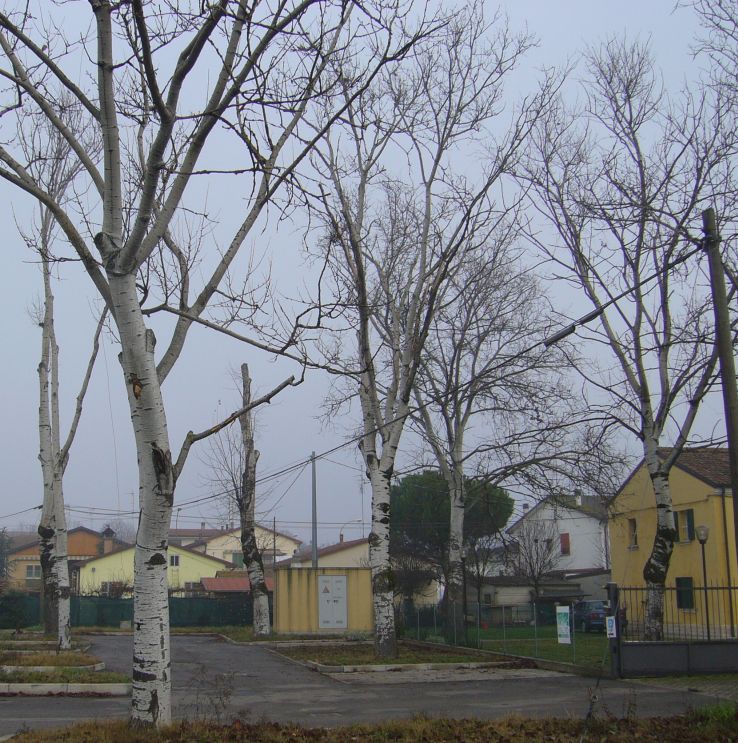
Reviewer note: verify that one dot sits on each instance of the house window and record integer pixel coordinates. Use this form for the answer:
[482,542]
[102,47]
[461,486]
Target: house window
[33,571]
[173,561]
[685,593]
[632,534]
[684,525]
[237,559]
[565,543]
[488,599]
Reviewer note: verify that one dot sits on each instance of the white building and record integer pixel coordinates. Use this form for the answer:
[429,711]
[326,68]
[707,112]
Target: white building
[577,528]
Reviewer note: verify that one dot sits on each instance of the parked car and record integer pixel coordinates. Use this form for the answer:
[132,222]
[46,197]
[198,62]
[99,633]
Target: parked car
[590,615]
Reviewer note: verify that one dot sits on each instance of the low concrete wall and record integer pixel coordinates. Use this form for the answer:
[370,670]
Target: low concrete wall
[666,658]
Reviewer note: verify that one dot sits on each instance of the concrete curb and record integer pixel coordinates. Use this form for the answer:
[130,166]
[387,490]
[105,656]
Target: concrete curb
[44,690]
[50,669]
[321,668]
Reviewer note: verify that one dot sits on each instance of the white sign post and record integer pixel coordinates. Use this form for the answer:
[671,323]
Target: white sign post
[612,631]
[563,625]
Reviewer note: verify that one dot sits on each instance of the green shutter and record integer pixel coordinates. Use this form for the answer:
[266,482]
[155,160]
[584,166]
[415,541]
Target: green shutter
[690,524]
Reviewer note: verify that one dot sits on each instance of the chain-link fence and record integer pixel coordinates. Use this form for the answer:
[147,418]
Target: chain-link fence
[528,630]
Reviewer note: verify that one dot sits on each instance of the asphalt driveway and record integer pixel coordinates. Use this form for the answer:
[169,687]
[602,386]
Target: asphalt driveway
[215,679]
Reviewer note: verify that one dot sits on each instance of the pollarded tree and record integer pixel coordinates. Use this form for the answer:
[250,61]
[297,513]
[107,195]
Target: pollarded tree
[169,90]
[408,185]
[232,458]
[622,184]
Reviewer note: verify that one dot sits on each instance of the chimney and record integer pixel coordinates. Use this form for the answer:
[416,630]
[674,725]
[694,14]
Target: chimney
[202,526]
[340,538]
[108,536]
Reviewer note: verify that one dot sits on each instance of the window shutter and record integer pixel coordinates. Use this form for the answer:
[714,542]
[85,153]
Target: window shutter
[690,525]
[565,543]
[678,537]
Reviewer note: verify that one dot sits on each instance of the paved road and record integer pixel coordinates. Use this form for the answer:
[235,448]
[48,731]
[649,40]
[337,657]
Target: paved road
[214,678]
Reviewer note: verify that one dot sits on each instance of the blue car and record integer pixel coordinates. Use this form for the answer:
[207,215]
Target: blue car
[590,615]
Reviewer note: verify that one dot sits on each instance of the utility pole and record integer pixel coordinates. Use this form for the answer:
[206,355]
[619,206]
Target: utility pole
[725,351]
[315,514]
[274,547]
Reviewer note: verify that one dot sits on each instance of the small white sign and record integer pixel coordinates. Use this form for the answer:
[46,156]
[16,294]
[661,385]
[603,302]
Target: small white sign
[612,630]
[563,625]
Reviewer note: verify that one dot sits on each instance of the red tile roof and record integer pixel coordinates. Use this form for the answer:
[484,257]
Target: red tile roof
[709,465]
[235,584]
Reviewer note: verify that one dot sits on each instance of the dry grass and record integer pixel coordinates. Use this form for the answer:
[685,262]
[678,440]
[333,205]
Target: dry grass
[513,730]
[66,658]
[63,676]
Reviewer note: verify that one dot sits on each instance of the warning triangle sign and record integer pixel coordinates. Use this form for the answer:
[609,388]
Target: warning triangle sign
[326,589]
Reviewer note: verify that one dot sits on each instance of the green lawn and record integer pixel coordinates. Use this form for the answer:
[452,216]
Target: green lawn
[587,649]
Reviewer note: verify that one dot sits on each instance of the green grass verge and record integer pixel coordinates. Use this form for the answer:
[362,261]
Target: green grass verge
[699,727]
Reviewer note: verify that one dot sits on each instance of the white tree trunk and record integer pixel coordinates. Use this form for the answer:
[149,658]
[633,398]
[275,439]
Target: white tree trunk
[385,633]
[151,700]
[52,529]
[657,565]
[247,512]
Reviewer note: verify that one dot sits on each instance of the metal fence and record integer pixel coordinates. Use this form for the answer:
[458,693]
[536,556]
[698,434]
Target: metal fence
[18,610]
[527,630]
[691,613]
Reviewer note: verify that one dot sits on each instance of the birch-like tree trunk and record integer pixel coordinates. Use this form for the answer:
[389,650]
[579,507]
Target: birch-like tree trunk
[396,234]
[246,509]
[52,528]
[622,183]
[155,102]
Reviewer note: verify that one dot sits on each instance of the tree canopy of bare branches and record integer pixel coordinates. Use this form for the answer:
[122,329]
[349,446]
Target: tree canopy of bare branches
[169,91]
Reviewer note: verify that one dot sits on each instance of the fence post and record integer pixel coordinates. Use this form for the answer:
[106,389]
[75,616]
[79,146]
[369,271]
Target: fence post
[535,626]
[417,617]
[613,596]
[479,621]
[504,634]
[453,605]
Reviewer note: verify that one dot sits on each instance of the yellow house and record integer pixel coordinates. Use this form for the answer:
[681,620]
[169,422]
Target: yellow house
[112,574]
[701,496]
[352,553]
[225,544]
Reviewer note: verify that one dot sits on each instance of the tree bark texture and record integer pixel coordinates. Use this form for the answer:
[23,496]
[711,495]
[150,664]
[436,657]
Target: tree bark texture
[657,565]
[151,699]
[52,529]
[246,507]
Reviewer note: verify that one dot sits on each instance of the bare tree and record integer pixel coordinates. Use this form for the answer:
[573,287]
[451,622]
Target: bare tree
[232,459]
[159,84]
[400,211]
[533,551]
[51,161]
[622,184]
[486,365]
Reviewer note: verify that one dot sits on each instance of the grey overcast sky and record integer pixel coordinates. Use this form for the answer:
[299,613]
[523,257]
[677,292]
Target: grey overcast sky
[101,478]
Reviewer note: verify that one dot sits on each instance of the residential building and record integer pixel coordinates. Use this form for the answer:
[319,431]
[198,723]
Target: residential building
[225,543]
[24,560]
[112,573]
[352,553]
[701,495]
[576,527]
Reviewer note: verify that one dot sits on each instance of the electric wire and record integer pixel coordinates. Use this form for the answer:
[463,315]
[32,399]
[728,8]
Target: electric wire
[412,409]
